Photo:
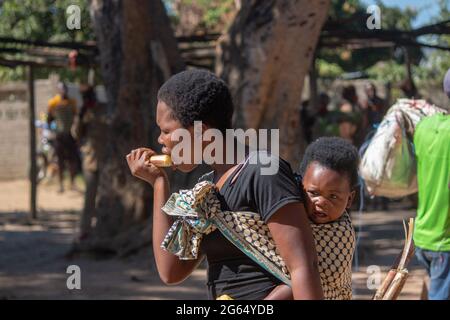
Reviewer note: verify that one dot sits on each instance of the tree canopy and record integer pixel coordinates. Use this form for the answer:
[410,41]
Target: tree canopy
[43,20]
[46,20]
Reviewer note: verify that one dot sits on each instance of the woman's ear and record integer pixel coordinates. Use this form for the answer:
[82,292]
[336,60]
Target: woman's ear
[350,199]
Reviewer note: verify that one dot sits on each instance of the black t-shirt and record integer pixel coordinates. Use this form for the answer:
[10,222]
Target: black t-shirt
[230,271]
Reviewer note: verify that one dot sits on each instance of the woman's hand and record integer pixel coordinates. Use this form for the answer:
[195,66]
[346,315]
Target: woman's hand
[171,269]
[141,168]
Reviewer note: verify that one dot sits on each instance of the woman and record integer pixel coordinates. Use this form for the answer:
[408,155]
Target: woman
[198,95]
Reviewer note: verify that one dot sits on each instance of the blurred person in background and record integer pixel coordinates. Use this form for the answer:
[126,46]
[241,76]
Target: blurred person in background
[62,110]
[374,105]
[312,119]
[352,120]
[375,108]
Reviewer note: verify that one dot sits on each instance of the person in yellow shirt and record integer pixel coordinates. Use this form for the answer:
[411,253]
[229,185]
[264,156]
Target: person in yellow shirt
[62,110]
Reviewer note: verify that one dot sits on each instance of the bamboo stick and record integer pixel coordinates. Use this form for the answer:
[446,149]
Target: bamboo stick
[396,286]
[385,285]
[393,283]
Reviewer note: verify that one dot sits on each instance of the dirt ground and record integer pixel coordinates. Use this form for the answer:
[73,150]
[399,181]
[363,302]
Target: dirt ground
[33,260]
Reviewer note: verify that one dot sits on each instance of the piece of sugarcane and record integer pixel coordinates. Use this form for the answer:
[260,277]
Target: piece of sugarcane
[385,284]
[392,283]
[396,286]
[161,160]
[398,282]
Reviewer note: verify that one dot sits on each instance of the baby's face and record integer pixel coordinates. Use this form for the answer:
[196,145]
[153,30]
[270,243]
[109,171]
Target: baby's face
[328,193]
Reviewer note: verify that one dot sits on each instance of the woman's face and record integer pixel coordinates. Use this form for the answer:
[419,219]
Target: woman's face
[328,193]
[167,123]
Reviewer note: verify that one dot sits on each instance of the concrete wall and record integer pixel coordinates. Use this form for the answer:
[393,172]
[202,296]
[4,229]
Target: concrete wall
[14,131]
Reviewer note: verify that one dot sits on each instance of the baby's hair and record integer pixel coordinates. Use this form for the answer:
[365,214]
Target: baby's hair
[333,153]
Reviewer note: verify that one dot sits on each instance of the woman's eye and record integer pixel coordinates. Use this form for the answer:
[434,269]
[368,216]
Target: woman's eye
[333,196]
[314,193]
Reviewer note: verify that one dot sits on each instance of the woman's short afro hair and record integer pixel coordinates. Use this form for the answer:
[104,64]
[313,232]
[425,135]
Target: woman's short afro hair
[198,95]
[333,153]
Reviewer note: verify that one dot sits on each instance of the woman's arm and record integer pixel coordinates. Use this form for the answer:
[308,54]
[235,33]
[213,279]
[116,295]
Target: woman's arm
[293,236]
[171,269]
[281,292]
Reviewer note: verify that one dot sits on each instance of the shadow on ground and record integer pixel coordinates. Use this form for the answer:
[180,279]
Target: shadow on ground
[33,254]
[33,265]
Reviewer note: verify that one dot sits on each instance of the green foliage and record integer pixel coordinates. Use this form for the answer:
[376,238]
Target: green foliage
[215,15]
[353,15]
[46,20]
[43,20]
[9,74]
[388,71]
[216,10]
[430,70]
[343,9]
[437,62]
[393,17]
[326,69]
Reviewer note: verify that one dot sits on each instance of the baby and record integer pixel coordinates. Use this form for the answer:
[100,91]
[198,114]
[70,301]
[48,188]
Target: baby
[329,174]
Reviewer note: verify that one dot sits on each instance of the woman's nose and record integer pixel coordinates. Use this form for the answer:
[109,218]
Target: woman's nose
[160,139]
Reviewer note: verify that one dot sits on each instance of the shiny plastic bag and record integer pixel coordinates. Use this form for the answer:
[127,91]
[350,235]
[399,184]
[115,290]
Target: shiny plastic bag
[388,163]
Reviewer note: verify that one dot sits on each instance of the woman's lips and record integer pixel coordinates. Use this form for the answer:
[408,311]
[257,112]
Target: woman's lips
[165,150]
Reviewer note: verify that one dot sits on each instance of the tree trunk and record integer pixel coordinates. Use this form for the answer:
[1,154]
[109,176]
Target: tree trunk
[264,58]
[138,52]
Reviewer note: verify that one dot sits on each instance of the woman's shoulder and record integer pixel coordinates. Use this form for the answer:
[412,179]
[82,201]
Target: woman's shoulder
[266,163]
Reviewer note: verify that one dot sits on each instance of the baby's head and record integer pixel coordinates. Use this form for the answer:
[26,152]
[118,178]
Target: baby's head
[330,177]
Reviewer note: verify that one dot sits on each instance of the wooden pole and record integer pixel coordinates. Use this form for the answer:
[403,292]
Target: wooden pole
[33,169]
[408,64]
[412,87]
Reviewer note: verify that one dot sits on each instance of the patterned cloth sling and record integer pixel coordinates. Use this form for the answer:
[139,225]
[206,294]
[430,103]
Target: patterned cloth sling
[197,212]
